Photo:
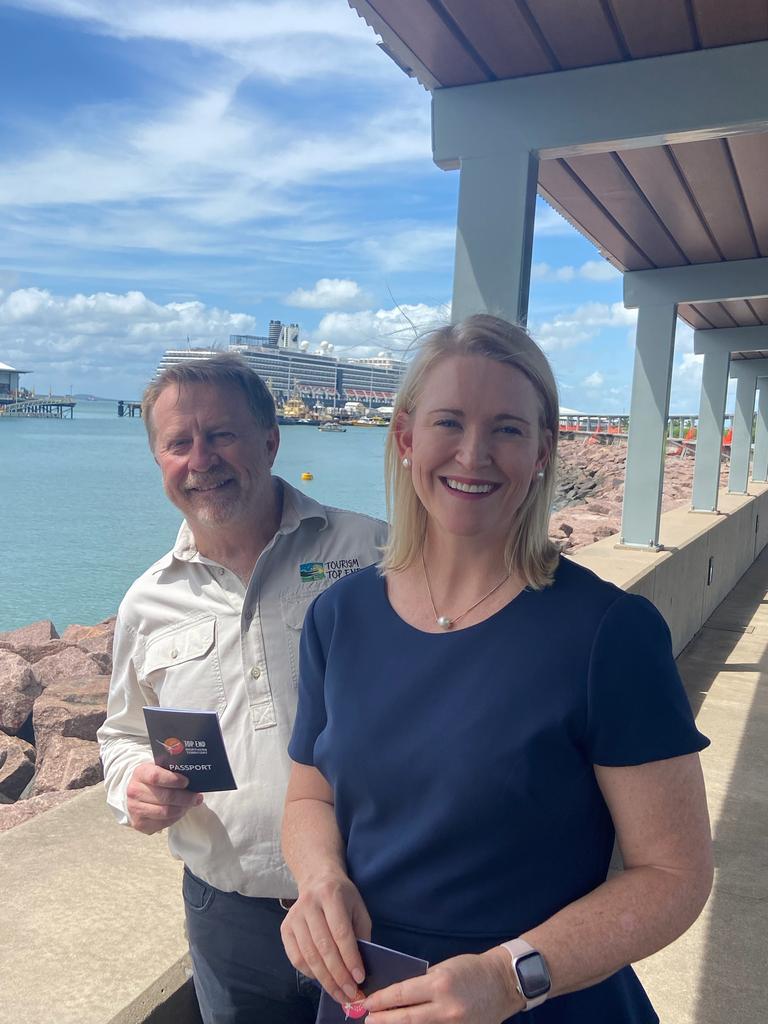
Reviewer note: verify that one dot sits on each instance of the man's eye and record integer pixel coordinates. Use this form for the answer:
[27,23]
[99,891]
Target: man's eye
[224,437]
[177,445]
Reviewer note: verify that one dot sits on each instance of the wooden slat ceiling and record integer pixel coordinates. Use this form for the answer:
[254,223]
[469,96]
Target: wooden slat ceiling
[664,206]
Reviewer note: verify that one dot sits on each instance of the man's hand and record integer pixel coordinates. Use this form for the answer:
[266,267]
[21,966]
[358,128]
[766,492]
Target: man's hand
[158,798]
[464,989]
[320,934]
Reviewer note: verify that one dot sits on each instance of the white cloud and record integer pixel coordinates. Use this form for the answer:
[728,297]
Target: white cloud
[44,331]
[598,270]
[285,40]
[549,222]
[594,380]
[327,293]
[580,325]
[369,331]
[412,248]
[592,270]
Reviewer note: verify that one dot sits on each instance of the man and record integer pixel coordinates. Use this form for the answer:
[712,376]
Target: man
[215,625]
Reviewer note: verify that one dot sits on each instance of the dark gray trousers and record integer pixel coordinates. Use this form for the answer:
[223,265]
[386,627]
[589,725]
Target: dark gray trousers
[241,972]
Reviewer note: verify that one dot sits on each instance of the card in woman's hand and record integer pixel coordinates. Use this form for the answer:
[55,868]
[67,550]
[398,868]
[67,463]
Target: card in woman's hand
[383,967]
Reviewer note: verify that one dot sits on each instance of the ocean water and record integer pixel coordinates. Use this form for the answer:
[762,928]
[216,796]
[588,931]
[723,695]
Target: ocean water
[83,513]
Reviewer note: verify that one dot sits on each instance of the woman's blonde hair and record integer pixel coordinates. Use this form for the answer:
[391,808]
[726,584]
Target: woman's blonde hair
[528,550]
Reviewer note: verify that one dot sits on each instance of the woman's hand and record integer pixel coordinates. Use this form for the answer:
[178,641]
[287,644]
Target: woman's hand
[462,990]
[320,934]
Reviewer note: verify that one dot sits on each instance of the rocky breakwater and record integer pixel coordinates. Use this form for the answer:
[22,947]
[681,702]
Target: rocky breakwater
[53,694]
[590,490]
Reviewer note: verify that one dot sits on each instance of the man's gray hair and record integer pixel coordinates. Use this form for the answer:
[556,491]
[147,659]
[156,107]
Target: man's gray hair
[224,370]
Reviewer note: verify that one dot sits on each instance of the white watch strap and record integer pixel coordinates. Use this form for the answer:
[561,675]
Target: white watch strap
[516,949]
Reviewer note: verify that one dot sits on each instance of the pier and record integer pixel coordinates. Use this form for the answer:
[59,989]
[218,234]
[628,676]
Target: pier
[40,408]
[128,408]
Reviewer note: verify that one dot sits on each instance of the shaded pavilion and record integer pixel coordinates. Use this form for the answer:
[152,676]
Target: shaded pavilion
[646,126]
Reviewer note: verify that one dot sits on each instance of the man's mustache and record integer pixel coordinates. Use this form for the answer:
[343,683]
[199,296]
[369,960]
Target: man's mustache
[204,481]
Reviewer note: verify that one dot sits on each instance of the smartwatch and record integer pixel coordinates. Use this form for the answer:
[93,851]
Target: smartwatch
[532,978]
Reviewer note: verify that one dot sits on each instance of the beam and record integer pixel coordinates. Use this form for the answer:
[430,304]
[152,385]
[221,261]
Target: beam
[709,437]
[494,238]
[731,339]
[760,460]
[681,97]
[749,369]
[741,443]
[644,477]
[703,282]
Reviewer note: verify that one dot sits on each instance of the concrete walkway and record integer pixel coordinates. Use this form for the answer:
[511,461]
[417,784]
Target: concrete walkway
[718,972]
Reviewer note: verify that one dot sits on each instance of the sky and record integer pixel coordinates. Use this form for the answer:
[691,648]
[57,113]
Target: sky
[175,172]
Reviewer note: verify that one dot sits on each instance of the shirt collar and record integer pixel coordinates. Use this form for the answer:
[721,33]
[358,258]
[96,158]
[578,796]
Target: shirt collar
[297,507]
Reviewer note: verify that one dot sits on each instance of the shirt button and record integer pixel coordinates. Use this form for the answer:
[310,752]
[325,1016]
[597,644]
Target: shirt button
[174,653]
[255,672]
[221,572]
[249,615]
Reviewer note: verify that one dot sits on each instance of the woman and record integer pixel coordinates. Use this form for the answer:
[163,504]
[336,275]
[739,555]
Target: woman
[477,719]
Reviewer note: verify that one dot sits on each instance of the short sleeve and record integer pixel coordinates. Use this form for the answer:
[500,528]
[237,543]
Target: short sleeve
[311,714]
[637,708]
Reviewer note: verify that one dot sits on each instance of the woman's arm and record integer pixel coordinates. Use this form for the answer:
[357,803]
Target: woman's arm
[662,825]
[320,931]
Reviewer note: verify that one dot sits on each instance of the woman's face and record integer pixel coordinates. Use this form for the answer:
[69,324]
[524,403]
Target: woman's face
[475,445]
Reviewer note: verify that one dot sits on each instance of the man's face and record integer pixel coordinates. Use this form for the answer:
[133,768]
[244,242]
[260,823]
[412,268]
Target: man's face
[215,459]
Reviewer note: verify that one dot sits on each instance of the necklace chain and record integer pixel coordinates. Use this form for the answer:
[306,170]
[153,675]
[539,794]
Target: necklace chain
[442,620]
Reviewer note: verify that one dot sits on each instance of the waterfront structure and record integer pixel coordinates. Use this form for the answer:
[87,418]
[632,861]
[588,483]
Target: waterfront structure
[9,383]
[319,380]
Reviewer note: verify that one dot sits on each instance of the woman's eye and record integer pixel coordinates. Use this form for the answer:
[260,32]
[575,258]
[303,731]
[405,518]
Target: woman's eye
[510,430]
[447,423]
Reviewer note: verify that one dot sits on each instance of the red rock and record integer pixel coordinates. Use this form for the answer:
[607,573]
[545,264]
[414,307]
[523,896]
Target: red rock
[19,686]
[566,528]
[34,633]
[71,664]
[97,639]
[598,533]
[75,708]
[34,652]
[17,766]
[16,814]
[66,763]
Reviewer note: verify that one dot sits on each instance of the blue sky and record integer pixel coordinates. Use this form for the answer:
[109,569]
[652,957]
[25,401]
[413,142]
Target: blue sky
[194,169]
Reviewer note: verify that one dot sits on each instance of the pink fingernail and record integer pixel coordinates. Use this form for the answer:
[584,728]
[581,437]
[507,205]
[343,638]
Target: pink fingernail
[358,975]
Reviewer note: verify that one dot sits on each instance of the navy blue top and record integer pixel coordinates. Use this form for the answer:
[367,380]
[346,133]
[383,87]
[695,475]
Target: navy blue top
[461,763]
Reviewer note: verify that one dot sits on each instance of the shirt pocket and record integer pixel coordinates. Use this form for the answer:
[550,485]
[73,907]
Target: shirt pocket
[181,664]
[293,605]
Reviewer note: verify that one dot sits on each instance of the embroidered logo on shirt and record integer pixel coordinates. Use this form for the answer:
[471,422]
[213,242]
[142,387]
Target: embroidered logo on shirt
[333,569]
[310,571]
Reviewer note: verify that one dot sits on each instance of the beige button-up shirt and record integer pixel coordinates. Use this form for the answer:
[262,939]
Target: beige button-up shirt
[190,634]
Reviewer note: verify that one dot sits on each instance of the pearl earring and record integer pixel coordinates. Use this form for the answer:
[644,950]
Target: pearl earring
[406,463]
[540,474]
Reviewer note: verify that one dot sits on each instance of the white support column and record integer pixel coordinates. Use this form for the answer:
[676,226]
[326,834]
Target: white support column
[760,460]
[709,437]
[741,443]
[497,203]
[651,383]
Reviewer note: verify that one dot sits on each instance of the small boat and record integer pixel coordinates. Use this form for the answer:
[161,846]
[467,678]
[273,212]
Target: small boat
[332,427]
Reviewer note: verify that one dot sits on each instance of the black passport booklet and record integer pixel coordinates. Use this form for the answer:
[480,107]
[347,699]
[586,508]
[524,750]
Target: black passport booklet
[190,742]
[383,967]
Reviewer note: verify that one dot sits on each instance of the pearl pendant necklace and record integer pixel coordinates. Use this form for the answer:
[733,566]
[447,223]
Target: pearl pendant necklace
[442,620]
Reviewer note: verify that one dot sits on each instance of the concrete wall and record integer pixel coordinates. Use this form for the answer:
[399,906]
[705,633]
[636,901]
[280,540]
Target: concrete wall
[676,578]
[92,915]
[92,921]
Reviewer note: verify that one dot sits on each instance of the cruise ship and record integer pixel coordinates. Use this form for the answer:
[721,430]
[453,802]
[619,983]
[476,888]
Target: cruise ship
[319,380]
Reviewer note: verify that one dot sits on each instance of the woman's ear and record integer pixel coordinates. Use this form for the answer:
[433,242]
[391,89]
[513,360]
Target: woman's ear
[403,433]
[545,449]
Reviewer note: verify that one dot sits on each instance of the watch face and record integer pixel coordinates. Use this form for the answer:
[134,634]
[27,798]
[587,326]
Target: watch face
[533,975]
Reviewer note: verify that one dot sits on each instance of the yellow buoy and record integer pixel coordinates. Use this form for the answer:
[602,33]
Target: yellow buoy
[307,476]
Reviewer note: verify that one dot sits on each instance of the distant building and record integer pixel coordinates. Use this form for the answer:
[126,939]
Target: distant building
[9,382]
